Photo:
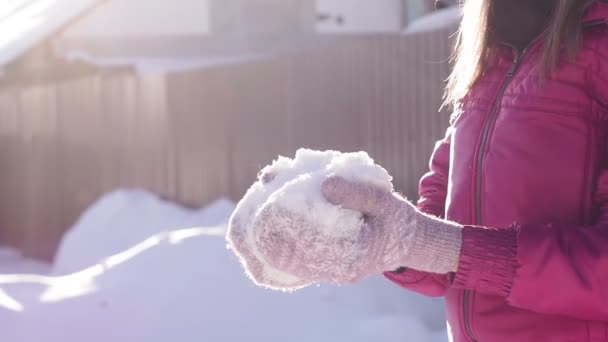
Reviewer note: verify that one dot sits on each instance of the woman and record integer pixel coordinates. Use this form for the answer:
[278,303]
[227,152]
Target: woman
[521,179]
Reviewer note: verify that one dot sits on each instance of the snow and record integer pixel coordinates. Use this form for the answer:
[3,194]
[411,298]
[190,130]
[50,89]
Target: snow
[25,23]
[446,18]
[294,185]
[132,270]
[12,261]
[108,228]
[145,65]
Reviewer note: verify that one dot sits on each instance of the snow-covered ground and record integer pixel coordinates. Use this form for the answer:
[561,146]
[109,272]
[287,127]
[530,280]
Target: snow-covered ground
[131,270]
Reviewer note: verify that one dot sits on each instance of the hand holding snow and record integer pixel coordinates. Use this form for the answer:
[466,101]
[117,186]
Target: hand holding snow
[288,236]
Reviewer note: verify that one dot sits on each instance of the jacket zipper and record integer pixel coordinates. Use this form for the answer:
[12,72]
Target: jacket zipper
[480,156]
[486,132]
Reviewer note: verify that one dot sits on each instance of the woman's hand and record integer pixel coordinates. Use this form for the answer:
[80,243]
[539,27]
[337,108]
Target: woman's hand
[304,252]
[397,234]
[394,234]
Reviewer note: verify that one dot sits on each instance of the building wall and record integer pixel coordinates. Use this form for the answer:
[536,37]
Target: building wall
[137,18]
[124,31]
[143,18]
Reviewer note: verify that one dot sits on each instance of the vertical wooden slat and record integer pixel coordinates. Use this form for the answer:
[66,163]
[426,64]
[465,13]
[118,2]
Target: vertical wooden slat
[42,226]
[117,110]
[153,162]
[198,128]
[82,133]
[12,200]
[257,125]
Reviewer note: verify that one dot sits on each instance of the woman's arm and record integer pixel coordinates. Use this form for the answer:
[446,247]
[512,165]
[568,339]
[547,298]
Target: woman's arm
[553,269]
[432,195]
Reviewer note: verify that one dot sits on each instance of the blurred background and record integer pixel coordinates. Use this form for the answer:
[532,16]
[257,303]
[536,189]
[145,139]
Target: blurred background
[108,104]
[190,98]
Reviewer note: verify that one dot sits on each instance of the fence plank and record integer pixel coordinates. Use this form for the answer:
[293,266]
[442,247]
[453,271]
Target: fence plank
[12,200]
[42,222]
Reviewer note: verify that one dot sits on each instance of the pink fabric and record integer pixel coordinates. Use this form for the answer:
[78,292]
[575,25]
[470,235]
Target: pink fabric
[541,272]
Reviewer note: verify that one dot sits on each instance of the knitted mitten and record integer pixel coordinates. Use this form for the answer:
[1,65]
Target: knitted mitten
[394,234]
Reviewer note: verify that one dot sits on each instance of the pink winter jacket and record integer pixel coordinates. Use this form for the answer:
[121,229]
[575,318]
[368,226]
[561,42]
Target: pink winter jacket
[531,163]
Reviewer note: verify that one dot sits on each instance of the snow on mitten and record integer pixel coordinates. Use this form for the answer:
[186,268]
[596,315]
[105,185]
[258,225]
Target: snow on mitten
[257,269]
[288,235]
[296,244]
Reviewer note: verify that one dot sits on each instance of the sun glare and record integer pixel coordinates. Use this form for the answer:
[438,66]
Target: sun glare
[19,17]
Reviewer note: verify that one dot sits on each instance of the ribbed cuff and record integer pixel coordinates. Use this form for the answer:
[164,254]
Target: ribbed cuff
[488,260]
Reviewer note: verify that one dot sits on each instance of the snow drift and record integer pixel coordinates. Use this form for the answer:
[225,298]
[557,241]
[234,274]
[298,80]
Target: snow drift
[132,270]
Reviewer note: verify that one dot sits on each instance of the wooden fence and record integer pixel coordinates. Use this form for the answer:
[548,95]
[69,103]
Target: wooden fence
[195,136]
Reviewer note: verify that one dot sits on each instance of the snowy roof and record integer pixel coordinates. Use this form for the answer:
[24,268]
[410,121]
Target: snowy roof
[438,20]
[169,35]
[175,53]
[144,65]
[25,23]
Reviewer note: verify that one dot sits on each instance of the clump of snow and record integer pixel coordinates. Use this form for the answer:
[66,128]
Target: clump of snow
[295,185]
[184,285]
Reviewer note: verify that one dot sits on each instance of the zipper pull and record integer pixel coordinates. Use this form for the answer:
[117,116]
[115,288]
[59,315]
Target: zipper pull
[512,70]
[515,64]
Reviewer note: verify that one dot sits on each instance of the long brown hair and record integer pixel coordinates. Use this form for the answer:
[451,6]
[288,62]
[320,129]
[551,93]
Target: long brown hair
[474,42]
